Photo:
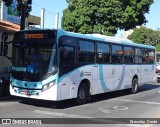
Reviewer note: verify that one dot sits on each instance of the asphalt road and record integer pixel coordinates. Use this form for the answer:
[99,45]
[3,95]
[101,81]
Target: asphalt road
[121,107]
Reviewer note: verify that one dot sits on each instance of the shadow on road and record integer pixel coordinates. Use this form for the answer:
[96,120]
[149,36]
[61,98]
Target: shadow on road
[69,103]
[148,87]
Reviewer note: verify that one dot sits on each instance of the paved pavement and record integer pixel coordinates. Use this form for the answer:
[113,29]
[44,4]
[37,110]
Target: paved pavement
[114,105]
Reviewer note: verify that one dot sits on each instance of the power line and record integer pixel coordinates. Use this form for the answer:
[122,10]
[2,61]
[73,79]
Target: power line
[37,5]
[44,8]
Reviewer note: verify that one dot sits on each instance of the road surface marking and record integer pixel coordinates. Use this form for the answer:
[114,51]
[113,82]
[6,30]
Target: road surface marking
[120,107]
[60,114]
[142,102]
[107,109]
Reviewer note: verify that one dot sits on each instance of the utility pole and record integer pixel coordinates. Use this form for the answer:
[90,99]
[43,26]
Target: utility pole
[23,14]
[42,18]
[56,20]
[158,39]
[2,9]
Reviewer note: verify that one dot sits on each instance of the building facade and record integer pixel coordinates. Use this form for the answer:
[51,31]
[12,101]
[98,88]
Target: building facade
[10,29]
[10,23]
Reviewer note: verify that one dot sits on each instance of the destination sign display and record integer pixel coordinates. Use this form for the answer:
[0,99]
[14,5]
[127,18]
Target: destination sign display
[32,36]
[39,34]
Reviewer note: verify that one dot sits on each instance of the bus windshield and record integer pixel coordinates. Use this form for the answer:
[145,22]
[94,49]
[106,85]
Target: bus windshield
[33,60]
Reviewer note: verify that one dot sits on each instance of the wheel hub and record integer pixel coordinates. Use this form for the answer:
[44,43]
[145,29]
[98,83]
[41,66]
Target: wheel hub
[82,94]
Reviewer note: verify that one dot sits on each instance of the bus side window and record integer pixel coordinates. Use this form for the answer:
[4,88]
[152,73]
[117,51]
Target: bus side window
[151,56]
[128,55]
[86,51]
[117,54]
[103,53]
[67,55]
[138,55]
[145,56]
[68,51]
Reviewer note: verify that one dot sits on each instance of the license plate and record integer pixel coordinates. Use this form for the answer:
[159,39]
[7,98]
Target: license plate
[25,92]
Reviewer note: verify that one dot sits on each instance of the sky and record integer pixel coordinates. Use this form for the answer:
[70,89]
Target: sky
[51,8]
[57,6]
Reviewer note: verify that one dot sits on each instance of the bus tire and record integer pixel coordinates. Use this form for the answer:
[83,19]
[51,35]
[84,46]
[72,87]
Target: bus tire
[134,87]
[6,87]
[83,94]
[1,89]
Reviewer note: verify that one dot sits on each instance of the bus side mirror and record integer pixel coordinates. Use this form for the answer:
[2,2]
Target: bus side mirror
[4,49]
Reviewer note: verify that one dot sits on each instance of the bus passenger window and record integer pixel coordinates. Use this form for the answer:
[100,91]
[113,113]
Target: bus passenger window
[128,55]
[138,55]
[117,53]
[151,56]
[144,56]
[103,53]
[67,55]
[86,51]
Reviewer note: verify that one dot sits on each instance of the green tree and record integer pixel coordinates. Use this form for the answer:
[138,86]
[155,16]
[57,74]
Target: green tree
[158,47]
[104,16]
[144,35]
[28,7]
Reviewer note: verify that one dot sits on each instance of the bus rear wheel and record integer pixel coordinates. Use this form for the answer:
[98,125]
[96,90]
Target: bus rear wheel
[83,94]
[134,87]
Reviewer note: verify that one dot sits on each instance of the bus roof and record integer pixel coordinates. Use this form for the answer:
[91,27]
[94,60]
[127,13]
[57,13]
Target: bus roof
[98,37]
[111,39]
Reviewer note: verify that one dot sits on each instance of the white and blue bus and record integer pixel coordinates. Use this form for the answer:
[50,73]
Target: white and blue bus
[58,65]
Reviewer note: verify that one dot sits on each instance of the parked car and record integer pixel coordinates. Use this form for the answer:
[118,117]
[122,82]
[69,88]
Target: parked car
[157,68]
[158,71]
[158,77]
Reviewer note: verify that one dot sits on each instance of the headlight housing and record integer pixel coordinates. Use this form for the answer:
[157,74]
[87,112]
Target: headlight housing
[48,86]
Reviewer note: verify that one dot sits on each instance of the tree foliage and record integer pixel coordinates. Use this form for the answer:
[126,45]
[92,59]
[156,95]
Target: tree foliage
[20,6]
[104,16]
[8,2]
[144,35]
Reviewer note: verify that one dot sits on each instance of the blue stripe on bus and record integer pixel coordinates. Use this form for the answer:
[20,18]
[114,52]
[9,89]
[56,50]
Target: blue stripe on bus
[20,83]
[103,84]
[65,75]
[122,78]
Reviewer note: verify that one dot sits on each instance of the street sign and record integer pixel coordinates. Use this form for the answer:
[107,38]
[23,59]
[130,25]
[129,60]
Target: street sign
[4,36]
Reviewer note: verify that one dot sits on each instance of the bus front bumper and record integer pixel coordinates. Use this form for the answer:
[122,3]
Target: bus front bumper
[50,94]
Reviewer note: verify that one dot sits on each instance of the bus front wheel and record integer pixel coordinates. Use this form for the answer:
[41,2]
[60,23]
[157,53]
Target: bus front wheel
[83,94]
[1,89]
[134,87]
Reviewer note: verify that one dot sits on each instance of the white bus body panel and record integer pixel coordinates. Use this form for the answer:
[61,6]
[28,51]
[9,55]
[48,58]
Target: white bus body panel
[104,78]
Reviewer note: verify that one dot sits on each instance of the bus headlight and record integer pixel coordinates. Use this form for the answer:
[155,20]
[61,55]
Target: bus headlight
[48,86]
